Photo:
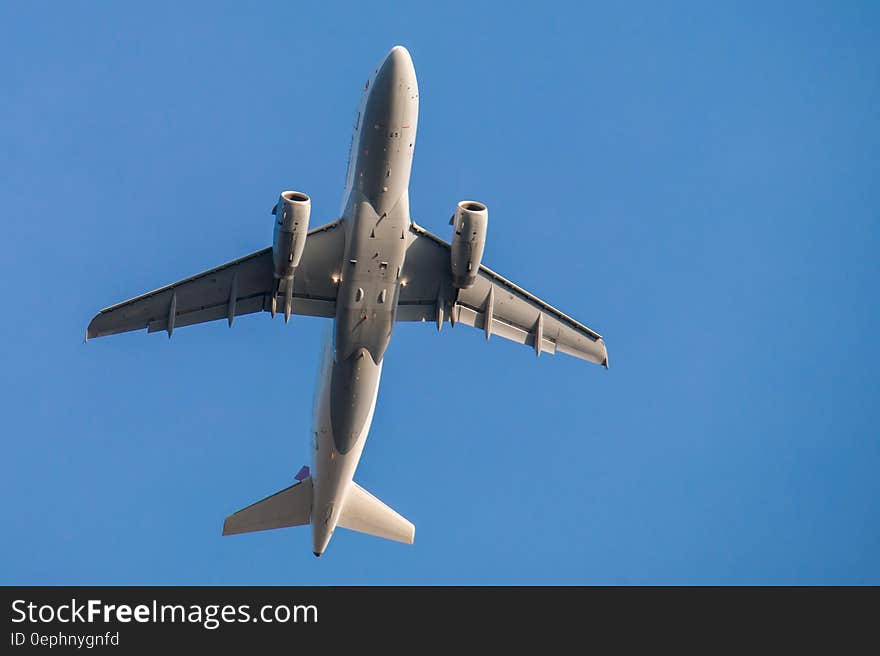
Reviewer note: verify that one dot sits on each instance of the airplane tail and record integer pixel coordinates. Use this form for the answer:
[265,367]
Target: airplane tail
[291,506]
[365,513]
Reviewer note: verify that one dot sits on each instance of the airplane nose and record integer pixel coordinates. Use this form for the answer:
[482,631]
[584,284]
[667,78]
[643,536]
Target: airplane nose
[398,64]
[399,55]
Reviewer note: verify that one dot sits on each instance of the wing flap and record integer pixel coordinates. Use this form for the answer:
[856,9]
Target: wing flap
[203,315]
[314,307]
[416,311]
[504,329]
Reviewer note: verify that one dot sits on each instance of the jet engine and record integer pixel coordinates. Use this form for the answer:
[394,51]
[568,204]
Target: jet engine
[291,226]
[468,239]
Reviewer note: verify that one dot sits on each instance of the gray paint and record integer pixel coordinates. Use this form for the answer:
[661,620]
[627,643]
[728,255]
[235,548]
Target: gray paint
[469,225]
[352,382]
[291,230]
[367,270]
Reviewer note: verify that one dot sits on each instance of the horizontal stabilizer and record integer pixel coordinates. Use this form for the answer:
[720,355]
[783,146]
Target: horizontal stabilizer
[289,507]
[365,513]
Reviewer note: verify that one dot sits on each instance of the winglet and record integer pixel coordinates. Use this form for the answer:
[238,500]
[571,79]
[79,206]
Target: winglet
[303,473]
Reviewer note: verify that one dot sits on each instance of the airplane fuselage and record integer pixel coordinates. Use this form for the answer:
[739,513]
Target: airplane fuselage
[376,222]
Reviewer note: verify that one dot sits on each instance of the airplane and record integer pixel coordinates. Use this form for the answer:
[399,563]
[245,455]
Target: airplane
[367,270]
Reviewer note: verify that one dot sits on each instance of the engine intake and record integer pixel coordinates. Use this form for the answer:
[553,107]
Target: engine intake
[291,227]
[470,221]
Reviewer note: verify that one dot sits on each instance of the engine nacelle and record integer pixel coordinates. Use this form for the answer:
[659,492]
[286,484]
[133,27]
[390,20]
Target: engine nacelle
[468,240]
[291,226]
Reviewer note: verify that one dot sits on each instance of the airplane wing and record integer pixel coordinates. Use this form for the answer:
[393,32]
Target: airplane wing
[493,304]
[242,286]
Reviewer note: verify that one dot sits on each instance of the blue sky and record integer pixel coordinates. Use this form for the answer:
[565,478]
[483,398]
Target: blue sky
[697,183]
